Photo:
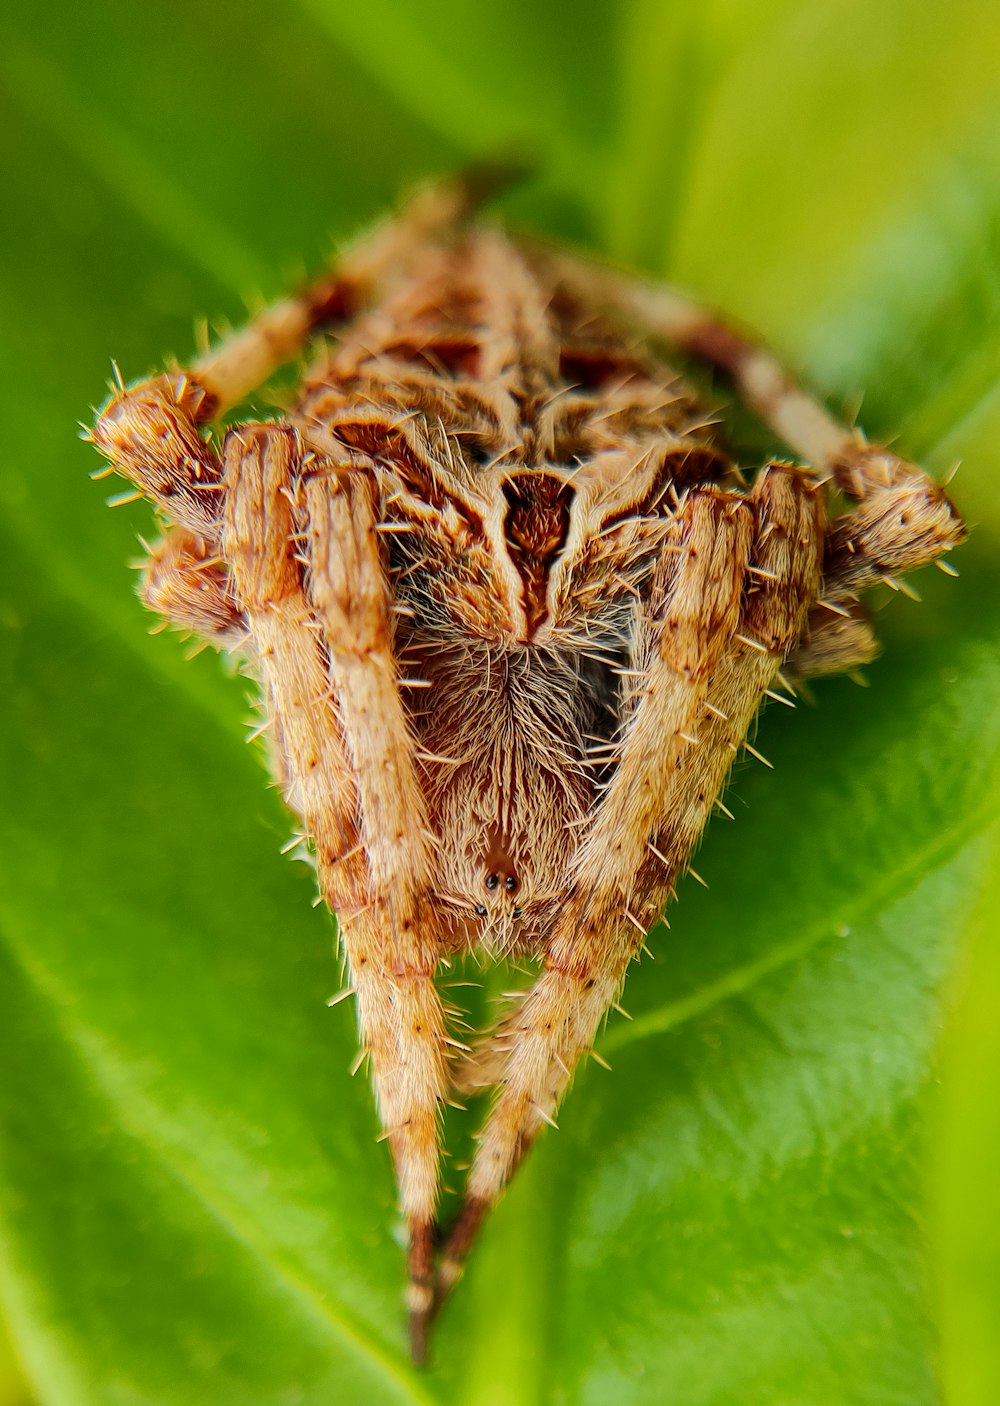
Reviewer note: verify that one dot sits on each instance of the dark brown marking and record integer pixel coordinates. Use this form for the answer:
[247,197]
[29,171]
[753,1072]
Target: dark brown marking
[499,863]
[536,527]
[420,1268]
[680,466]
[458,353]
[333,300]
[201,403]
[464,1228]
[592,367]
[719,345]
[691,464]
[384,441]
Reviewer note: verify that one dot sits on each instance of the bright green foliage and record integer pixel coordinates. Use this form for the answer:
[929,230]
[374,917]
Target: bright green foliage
[967,1166]
[192,1204]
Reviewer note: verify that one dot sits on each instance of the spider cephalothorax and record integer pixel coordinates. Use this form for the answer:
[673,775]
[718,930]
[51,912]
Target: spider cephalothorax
[513,610]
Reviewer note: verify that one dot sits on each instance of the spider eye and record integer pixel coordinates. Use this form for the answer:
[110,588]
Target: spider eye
[480,910]
[510,883]
[492,881]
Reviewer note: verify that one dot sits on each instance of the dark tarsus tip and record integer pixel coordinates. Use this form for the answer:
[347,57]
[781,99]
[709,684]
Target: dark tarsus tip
[419,1325]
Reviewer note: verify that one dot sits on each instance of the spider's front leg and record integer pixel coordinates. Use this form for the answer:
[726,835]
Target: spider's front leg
[323,643]
[736,580]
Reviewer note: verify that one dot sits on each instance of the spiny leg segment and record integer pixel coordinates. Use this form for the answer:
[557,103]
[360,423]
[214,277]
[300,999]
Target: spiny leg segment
[151,430]
[391,941]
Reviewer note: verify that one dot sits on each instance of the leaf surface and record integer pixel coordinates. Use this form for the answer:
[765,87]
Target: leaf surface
[192,1203]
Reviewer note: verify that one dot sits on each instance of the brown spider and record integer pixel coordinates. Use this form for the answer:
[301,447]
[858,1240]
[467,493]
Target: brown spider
[513,610]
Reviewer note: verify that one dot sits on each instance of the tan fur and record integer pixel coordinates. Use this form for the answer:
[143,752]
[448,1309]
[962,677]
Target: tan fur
[513,612]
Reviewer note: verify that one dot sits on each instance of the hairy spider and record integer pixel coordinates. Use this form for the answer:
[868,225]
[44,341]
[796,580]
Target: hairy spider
[513,610]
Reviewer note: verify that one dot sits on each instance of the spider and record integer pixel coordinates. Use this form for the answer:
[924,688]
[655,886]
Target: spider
[513,610]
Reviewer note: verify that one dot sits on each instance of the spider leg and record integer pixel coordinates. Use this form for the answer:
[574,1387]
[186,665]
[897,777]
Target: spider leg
[905,519]
[833,641]
[392,945]
[902,521]
[153,431]
[324,657]
[325,652]
[736,580]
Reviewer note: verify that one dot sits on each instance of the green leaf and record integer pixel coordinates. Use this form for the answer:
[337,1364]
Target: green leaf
[192,1203]
[966,1165]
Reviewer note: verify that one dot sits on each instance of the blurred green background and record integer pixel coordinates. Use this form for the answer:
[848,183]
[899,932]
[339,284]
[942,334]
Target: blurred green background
[786,1191]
